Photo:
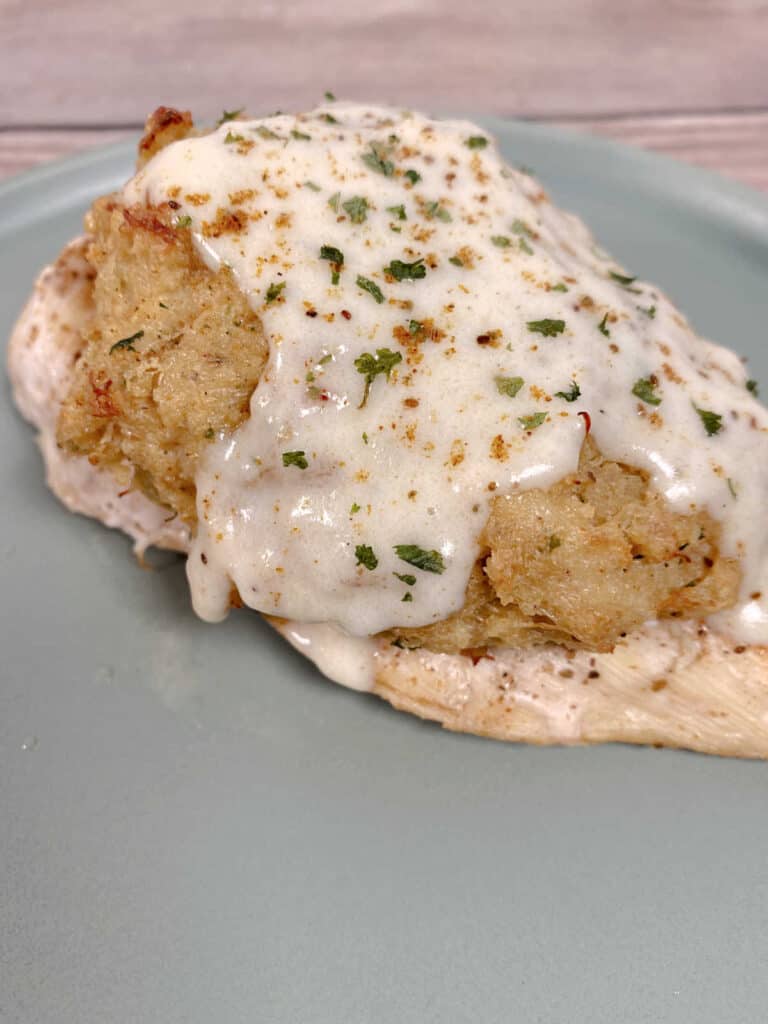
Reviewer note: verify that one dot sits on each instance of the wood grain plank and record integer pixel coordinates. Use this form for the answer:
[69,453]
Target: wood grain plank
[734,145]
[73,62]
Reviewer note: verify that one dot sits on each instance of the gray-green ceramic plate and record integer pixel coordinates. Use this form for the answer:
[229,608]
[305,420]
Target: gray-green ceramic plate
[196,827]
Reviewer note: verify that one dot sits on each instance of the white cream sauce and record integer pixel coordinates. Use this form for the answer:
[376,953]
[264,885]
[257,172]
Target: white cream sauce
[443,432]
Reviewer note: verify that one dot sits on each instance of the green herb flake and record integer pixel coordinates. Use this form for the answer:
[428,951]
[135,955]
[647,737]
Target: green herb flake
[521,228]
[354,508]
[336,258]
[231,137]
[329,96]
[645,390]
[524,247]
[365,556]
[406,578]
[501,241]
[427,561]
[407,596]
[415,271]
[650,311]
[549,328]
[752,387]
[326,358]
[508,385]
[413,176]
[414,327]
[434,210]
[209,434]
[162,305]
[296,134]
[571,395]
[357,208]
[554,542]
[376,159]
[266,133]
[333,202]
[476,142]
[311,185]
[732,488]
[274,291]
[229,115]
[298,459]
[329,119]
[533,421]
[560,287]
[456,261]
[713,421]
[398,212]
[127,343]
[184,221]
[371,366]
[371,287]
[365,437]
[621,279]
[603,328]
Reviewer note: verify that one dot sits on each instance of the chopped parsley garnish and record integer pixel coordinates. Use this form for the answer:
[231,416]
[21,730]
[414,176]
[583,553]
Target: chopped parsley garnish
[524,247]
[233,137]
[376,159]
[405,577]
[354,508]
[434,209]
[406,271]
[645,390]
[602,326]
[298,459]
[127,343]
[533,421]
[371,287]
[456,261]
[560,287]
[266,133]
[650,311]
[312,185]
[333,202]
[365,437]
[427,561]
[501,241]
[397,211]
[571,395]
[414,326]
[413,176]
[621,278]
[229,115]
[549,328]
[521,228]
[336,257]
[365,556]
[329,118]
[184,221]
[732,488]
[476,142]
[274,290]
[371,366]
[508,385]
[162,305]
[407,596]
[713,421]
[329,96]
[752,387]
[296,134]
[554,542]
[357,208]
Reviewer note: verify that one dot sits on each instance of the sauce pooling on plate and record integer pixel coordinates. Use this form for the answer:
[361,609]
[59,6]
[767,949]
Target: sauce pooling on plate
[439,334]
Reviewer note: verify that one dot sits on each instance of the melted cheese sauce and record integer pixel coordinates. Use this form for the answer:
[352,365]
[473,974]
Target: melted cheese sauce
[429,313]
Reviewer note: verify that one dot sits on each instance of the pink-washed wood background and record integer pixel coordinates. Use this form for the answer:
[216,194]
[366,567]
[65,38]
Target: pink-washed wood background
[686,77]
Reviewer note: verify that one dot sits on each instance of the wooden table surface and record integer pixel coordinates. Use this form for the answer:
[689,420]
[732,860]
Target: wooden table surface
[686,77]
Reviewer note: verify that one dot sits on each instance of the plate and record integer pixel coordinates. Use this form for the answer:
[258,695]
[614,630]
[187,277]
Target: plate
[196,827]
